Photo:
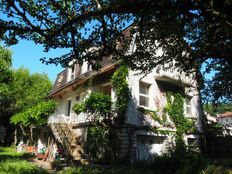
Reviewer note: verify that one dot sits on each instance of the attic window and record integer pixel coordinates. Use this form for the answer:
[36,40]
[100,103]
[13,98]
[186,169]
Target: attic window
[72,69]
[72,76]
[89,67]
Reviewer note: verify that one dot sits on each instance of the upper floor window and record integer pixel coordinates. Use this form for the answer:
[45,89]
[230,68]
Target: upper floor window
[188,109]
[106,89]
[78,98]
[144,94]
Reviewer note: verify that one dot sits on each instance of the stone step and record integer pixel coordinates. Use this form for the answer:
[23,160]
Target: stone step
[81,161]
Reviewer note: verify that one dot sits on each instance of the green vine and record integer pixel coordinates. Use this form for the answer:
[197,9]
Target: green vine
[97,104]
[78,108]
[160,131]
[151,113]
[36,115]
[98,135]
[122,91]
[175,109]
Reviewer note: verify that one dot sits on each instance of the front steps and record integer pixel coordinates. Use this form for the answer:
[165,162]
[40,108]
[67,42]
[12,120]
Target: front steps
[70,143]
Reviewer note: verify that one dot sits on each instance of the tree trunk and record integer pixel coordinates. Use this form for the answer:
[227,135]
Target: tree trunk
[202,118]
[23,131]
[15,136]
[31,136]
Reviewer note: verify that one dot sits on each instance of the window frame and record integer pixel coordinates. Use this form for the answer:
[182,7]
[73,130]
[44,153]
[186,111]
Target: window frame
[72,72]
[189,106]
[68,107]
[144,95]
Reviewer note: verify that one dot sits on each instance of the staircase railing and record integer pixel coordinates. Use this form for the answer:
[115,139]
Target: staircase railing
[62,131]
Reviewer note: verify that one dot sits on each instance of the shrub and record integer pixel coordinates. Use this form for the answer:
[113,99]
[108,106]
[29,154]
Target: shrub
[212,169]
[98,144]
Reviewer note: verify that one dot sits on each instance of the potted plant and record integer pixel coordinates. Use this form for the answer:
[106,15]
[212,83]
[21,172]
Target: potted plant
[41,153]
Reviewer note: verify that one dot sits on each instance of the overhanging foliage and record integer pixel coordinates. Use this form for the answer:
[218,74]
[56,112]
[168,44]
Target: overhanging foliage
[189,32]
[36,115]
[97,104]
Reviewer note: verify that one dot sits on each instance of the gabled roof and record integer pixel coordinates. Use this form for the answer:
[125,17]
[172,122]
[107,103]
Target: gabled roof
[64,85]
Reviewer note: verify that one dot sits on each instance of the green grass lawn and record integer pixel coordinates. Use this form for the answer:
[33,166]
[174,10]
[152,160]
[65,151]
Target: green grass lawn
[105,170]
[12,162]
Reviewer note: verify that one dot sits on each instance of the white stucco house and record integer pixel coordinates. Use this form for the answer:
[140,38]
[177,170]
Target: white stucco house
[225,119]
[147,91]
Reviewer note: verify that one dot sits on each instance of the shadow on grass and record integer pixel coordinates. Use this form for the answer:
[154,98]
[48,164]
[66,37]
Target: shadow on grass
[7,153]
[12,162]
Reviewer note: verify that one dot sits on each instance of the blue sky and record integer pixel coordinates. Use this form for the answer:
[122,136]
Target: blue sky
[28,54]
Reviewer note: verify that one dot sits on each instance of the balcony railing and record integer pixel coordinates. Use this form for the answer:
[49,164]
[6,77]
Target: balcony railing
[80,118]
[72,119]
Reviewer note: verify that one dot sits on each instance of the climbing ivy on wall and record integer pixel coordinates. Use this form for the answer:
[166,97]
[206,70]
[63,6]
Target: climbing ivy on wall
[175,109]
[151,113]
[101,103]
[122,91]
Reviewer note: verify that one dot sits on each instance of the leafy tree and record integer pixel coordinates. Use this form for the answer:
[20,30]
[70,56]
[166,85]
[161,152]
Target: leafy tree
[6,79]
[34,116]
[219,109]
[29,89]
[189,32]
[19,90]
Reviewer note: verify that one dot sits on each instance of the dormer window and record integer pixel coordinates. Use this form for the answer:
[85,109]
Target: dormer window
[60,80]
[89,67]
[72,70]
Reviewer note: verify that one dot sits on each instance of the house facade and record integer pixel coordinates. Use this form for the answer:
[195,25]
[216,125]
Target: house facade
[75,83]
[148,92]
[225,119]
